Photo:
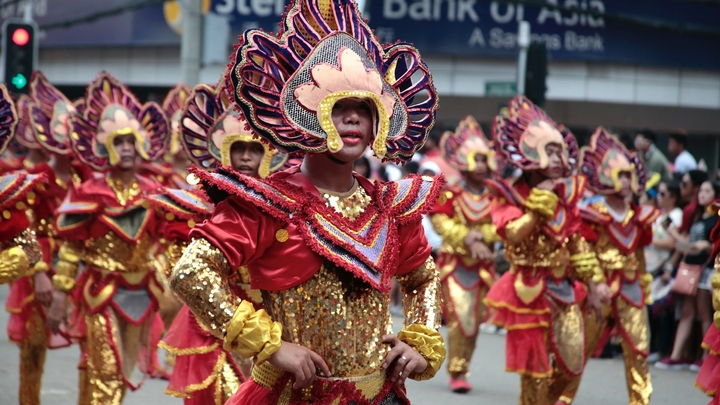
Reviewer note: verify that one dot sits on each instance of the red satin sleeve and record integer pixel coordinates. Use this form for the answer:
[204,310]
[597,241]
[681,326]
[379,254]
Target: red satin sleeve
[240,230]
[447,207]
[414,247]
[176,230]
[588,232]
[12,227]
[501,214]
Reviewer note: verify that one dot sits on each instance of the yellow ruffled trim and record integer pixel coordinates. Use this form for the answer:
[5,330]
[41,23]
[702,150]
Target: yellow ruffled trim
[190,350]
[587,267]
[511,308]
[429,343]
[252,333]
[543,202]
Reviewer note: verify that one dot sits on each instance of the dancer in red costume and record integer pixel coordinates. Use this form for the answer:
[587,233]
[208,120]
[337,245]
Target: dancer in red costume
[320,242]
[110,225]
[20,253]
[617,231]
[708,379]
[537,217]
[466,262]
[48,112]
[214,135]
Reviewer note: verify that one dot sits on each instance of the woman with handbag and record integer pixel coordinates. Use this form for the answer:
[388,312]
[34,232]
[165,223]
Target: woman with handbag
[693,268]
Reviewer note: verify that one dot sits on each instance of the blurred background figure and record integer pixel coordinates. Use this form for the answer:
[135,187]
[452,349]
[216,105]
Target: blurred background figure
[684,160]
[655,160]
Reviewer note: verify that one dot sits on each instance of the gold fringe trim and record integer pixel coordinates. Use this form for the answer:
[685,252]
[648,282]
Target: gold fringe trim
[189,350]
[517,310]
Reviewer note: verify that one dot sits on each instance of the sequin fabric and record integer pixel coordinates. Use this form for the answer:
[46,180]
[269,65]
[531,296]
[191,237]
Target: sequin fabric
[122,193]
[351,204]
[111,253]
[173,253]
[43,228]
[337,316]
[421,299]
[200,280]
[28,243]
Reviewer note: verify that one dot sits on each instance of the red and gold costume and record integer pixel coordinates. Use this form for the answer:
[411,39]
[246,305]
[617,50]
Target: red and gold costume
[112,228]
[44,125]
[465,280]
[205,373]
[535,301]
[322,260]
[618,239]
[708,379]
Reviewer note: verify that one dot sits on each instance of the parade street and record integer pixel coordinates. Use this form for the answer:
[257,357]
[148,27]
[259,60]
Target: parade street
[603,383]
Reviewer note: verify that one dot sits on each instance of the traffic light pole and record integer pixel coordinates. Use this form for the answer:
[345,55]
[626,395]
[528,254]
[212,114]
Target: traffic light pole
[523,41]
[190,46]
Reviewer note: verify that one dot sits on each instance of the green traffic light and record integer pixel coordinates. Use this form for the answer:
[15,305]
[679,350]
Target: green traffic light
[19,81]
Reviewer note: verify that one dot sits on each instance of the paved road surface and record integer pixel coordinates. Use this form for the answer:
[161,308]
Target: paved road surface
[603,383]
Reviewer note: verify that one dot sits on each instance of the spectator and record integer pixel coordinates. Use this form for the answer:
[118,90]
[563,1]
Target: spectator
[684,161]
[657,259]
[689,187]
[362,167]
[429,169]
[696,248]
[655,160]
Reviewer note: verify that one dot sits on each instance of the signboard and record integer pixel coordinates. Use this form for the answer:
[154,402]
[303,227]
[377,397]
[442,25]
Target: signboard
[500,89]
[614,34]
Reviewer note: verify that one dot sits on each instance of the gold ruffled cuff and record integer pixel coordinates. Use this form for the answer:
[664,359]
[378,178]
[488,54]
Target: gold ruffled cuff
[39,267]
[489,232]
[429,343]
[252,333]
[63,283]
[543,202]
[715,282]
[587,267]
[645,281]
[13,264]
[452,232]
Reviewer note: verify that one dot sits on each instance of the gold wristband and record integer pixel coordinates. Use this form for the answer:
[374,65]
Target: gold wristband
[66,268]
[599,278]
[543,202]
[39,267]
[586,265]
[63,283]
[429,343]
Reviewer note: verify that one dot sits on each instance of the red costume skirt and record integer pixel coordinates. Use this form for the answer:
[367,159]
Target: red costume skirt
[708,379]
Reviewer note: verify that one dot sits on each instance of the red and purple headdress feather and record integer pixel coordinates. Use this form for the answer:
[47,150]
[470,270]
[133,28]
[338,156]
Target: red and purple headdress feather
[24,133]
[8,118]
[522,135]
[50,115]
[105,99]
[605,158]
[327,48]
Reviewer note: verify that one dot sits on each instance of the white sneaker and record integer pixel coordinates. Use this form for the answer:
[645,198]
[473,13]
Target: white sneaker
[654,357]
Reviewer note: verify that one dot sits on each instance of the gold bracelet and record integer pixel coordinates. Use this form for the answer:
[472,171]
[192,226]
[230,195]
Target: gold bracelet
[63,283]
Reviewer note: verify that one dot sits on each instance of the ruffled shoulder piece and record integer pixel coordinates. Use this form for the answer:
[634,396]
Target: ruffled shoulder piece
[502,189]
[15,186]
[645,215]
[366,247]
[184,204]
[590,210]
[410,198]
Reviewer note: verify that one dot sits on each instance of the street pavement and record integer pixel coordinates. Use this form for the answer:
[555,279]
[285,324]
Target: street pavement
[603,382]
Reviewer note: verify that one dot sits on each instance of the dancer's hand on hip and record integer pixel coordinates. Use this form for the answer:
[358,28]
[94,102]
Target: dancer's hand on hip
[300,361]
[406,360]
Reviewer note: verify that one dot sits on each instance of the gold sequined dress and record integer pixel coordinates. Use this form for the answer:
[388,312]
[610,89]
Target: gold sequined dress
[323,262]
[465,280]
[536,301]
[618,240]
[112,228]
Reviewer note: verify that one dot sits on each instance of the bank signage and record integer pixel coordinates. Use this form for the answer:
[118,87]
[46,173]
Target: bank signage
[612,32]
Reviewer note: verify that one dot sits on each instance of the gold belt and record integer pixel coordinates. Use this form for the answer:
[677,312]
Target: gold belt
[267,376]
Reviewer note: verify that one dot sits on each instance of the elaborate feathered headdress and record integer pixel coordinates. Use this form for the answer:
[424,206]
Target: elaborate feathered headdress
[210,126]
[111,110]
[173,106]
[521,137]
[604,159]
[24,133]
[286,85]
[8,118]
[50,114]
[460,147]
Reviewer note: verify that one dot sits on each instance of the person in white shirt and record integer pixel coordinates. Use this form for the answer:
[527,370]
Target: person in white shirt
[684,160]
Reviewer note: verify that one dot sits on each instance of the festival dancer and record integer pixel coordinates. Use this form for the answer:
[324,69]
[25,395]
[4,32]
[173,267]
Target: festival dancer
[537,218]
[617,231]
[109,224]
[25,134]
[320,242]
[466,261]
[215,135]
[47,112]
[20,253]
